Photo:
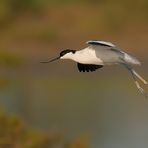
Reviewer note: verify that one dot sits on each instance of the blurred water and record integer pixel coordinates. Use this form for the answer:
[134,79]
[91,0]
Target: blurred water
[104,104]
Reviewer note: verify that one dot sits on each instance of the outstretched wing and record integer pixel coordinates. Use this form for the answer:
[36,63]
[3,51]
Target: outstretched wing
[106,51]
[101,43]
[104,45]
[110,53]
[88,67]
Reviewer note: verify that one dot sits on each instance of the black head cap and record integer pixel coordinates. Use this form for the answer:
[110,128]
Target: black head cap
[62,53]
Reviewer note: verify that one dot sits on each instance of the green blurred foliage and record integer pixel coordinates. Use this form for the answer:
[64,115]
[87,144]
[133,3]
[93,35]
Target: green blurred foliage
[108,15]
[14,133]
[9,59]
[36,33]
[10,7]
[111,15]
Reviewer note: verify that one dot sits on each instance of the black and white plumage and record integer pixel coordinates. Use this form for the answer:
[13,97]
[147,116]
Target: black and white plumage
[100,53]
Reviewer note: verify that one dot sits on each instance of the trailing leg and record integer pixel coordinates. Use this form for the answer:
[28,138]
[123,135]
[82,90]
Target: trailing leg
[134,75]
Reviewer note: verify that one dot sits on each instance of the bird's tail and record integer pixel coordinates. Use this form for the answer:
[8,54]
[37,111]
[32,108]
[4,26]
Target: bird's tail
[131,60]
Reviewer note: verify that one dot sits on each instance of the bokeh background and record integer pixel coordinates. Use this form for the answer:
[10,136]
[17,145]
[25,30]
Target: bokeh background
[54,105]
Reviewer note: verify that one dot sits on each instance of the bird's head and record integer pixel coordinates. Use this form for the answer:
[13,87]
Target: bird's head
[65,54]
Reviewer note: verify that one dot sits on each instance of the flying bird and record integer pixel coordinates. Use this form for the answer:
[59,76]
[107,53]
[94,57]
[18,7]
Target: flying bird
[99,54]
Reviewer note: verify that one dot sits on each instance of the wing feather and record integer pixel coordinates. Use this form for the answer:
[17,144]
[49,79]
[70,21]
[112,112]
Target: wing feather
[88,67]
[101,43]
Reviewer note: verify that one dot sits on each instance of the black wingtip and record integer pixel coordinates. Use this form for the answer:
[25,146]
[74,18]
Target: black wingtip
[88,67]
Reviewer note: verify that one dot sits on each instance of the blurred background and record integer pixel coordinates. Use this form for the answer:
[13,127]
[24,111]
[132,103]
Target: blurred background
[54,105]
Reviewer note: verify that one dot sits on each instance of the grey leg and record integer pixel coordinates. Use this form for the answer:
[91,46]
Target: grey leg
[134,75]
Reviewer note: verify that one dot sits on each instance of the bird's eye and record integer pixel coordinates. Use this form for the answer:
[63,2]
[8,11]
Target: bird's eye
[73,51]
[62,53]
